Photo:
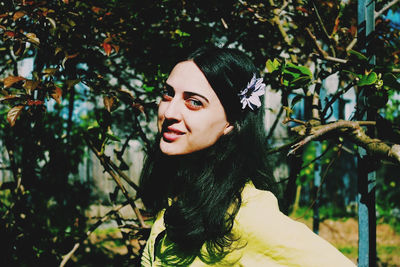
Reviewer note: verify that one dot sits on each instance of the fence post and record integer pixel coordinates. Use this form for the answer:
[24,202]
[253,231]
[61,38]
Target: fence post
[366,176]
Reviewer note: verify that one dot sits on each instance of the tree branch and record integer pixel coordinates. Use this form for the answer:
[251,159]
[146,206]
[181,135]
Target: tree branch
[109,166]
[386,7]
[353,131]
[67,256]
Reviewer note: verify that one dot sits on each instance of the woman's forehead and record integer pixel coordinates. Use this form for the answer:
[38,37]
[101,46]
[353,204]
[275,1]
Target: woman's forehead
[186,76]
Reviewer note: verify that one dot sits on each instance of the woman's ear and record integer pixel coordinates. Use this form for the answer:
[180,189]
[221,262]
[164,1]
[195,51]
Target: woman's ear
[228,128]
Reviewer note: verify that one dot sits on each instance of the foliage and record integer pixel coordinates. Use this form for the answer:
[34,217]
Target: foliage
[110,57]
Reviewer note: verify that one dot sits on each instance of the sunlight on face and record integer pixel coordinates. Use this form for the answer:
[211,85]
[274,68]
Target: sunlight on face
[190,115]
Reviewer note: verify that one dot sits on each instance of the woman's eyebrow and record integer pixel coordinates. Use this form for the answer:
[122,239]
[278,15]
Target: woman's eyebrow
[196,94]
[169,87]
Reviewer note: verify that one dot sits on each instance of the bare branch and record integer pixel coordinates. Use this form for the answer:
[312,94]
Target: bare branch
[321,24]
[386,7]
[67,256]
[353,131]
[319,49]
[108,166]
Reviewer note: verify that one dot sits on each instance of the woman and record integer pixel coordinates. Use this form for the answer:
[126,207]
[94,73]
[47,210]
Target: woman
[208,179]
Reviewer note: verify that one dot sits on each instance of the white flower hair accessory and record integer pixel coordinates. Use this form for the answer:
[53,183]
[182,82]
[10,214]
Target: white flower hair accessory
[250,96]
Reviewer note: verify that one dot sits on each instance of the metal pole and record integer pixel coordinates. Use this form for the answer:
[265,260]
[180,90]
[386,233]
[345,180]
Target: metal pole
[317,184]
[366,176]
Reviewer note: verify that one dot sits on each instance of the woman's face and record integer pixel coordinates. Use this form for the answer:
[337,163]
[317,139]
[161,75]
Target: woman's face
[190,115]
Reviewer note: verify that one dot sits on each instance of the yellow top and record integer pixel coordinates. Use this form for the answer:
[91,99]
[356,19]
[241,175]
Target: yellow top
[267,237]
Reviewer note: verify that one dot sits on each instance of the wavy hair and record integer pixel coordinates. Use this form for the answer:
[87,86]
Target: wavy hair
[207,184]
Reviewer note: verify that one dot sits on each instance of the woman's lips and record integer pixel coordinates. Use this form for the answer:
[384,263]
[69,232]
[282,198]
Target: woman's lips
[170,134]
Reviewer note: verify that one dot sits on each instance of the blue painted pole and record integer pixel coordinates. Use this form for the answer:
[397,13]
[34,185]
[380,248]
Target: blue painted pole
[317,184]
[366,175]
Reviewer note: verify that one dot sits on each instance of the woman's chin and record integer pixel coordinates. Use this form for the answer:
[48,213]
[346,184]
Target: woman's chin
[170,149]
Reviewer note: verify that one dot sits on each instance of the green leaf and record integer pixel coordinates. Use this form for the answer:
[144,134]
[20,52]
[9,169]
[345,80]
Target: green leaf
[368,79]
[390,81]
[302,70]
[112,137]
[272,65]
[147,88]
[299,82]
[357,55]
[352,73]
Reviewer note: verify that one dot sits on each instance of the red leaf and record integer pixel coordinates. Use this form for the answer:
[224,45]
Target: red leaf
[65,1]
[56,95]
[336,27]
[10,80]
[107,48]
[13,114]
[96,9]
[35,102]
[10,33]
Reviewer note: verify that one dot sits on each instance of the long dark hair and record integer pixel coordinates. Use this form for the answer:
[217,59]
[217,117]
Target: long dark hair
[207,184]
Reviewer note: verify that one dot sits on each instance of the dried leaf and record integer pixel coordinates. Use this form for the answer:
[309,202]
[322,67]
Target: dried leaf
[108,102]
[68,57]
[32,38]
[56,95]
[19,48]
[18,15]
[9,97]
[57,50]
[116,48]
[10,80]
[13,114]
[30,85]
[138,107]
[52,22]
[107,48]
[126,96]
[72,83]
[50,71]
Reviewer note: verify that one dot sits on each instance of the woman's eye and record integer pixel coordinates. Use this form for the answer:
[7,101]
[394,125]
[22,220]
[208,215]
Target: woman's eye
[193,103]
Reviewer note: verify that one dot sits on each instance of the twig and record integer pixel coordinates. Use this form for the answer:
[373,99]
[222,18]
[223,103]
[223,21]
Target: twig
[321,52]
[276,20]
[106,162]
[386,7]
[283,147]
[67,256]
[322,182]
[335,97]
[272,128]
[320,186]
[321,24]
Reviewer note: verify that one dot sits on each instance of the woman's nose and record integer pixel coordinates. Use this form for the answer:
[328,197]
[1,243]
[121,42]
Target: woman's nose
[173,111]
